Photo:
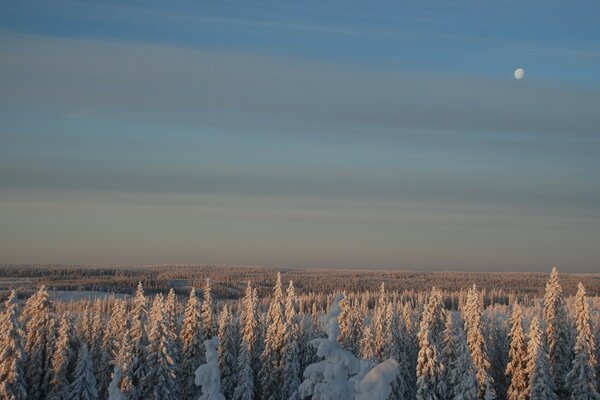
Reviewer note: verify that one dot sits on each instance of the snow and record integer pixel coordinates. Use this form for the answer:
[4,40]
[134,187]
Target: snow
[208,375]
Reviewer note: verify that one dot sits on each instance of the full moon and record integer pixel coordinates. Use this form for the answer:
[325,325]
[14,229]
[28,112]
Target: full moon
[519,74]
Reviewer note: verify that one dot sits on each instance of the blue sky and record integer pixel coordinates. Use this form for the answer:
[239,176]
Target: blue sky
[330,133]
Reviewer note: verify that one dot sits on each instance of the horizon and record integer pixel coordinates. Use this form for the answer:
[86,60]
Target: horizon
[426,136]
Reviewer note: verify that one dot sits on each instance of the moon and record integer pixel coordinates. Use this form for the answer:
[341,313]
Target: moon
[519,73]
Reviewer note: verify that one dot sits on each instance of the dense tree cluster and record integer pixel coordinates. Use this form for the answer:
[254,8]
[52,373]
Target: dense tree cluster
[379,344]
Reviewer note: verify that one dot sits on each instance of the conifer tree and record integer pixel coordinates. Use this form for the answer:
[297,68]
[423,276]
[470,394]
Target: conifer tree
[227,353]
[517,366]
[475,341]
[160,380]
[62,361]
[541,385]
[245,389]
[192,347]
[581,378]
[460,377]
[430,370]
[12,353]
[37,346]
[271,374]
[113,334]
[207,315]
[557,333]
[367,348]
[290,359]
[84,383]
[138,344]
[379,324]
[121,384]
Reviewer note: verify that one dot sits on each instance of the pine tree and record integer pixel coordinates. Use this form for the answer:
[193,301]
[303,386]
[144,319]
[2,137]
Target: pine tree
[460,377]
[138,344]
[160,380]
[207,315]
[557,333]
[84,383]
[37,346]
[113,334]
[62,361]
[430,370]
[192,348]
[541,385]
[475,341]
[367,348]
[121,384]
[271,374]
[12,353]
[290,359]
[516,368]
[227,353]
[582,379]
[245,389]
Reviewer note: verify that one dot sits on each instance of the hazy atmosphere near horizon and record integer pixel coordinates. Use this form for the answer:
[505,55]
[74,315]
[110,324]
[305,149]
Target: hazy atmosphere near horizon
[422,135]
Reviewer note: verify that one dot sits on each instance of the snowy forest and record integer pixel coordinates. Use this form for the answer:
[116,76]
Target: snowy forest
[425,344]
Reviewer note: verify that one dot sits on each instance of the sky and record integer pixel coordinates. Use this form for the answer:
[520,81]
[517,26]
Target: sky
[383,134]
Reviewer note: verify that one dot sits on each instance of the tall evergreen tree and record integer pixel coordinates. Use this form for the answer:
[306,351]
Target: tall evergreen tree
[37,345]
[121,385]
[460,377]
[557,333]
[192,347]
[207,314]
[581,378]
[541,385]
[271,374]
[430,370]
[160,380]
[246,388]
[367,348]
[379,324]
[113,334]
[84,383]
[62,361]
[12,353]
[476,342]
[138,344]
[227,353]
[290,359]
[517,366]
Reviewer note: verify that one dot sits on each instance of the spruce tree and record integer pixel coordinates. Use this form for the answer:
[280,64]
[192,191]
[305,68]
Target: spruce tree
[138,344]
[557,333]
[113,334]
[430,371]
[227,353]
[517,366]
[37,344]
[541,385]
[160,380]
[581,378]
[271,374]
[290,359]
[62,361]
[84,383]
[367,348]
[207,315]
[460,372]
[475,340]
[246,388]
[121,384]
[192,347]
[12,353]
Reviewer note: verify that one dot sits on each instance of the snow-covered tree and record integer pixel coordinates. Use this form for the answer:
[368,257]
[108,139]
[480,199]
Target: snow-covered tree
[517,366]
[62,361]
[12,353]
[138,344]
[113,334]
[541,385]
[246,389]
[192,347]
[227,353]
[208,375]
[83,386]
[367,348]
[290,359]
[430,370]
[379,324]
[557,333]
[581,378]
[160,380]
[207,314]
[476,342]
[460,372]
[37,344]
[271,374]
[121,384]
